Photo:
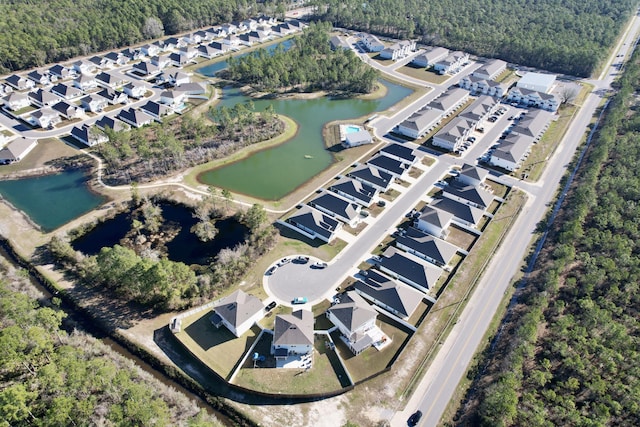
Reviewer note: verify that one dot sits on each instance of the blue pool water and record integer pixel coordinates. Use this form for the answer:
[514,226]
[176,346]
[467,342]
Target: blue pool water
[352,129]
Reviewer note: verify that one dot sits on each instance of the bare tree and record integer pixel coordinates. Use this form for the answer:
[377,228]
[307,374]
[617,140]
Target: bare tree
[568,94]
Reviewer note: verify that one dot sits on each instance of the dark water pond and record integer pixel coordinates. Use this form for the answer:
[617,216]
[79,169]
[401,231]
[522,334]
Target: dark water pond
[184,247]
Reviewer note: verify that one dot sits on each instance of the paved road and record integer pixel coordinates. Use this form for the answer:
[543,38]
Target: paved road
[439,383]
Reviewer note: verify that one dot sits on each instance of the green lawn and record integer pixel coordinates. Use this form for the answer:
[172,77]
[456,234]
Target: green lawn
[267,378]
[371,361]
[422,73]
[217,348]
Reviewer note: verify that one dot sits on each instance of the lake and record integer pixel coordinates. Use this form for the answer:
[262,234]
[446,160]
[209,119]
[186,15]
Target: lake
[52,200]
[273,173]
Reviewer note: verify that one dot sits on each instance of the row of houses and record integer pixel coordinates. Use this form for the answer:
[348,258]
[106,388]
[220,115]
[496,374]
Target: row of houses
[343,201]
[429,116]
[516,146]
[396,51]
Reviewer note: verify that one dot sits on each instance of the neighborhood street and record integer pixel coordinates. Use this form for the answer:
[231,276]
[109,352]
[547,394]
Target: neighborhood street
[436,389]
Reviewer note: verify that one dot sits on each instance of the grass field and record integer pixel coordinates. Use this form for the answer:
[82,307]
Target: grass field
[422,73]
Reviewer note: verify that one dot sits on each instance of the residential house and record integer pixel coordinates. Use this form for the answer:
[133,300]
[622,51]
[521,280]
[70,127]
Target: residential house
[111,80]
[40,77]
[190,89]
[133,54]
[145,69]
[68,111]
[372,43]
[66,91]
[533,124]
[480,109]
[135,118]
[84,67]
[449,101]
[293,334]
[355,191]
[114,97]
[222,47]
[420,123]
[399,152]
[5,89]
[338,42]
[237,312]
[433,221]
[337,207]
[156,110]
[468,194]
[355,139]
[372,176]
[430,57]
[175,42]
[398,50]
[85,82]
[16,101]
[62,72]
[178,59]
[453,134]
[172,98]
[117,58]
[452,63]
[395,297]
[356,321]
[463,214]
[511,152]
[150,50]
[17,150]
[387,164]
[532,98]
[201,36]
[207,51]
[232,41]
[20,82]
[229,28]
[426,246]
[537,82]
[482,86]
[88,135]
[314,224]
[472,175]
[136,89]
[193,38]
[250,24]
[45,117]
[163,61]
[94,103]
[44,98]
[111,123]
[410,269]
[491,69]
[100,62]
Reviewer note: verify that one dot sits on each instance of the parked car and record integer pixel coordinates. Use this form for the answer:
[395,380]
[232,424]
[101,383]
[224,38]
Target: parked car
[284,261]
[480,129]
[271,271]
[302,259]
[271,306]
[471,139]
[319,265]
[382,203]
[414,419]
[299,300]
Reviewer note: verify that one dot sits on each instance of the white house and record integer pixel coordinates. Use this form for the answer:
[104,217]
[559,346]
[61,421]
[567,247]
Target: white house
[491,69]
[17,150]
[45,117]
[449,101]
[485,87]
[420,123]
[238,312]
[472,175]
[16,101]
[434,221]
[85,82]
[314,224]
[293,334]
[68,111]
[336,207]
[89,136]
[94,103]
[426,246]
[409,268]
[430,57]
[354,190]
[511,152]
[20,82]
[395,297]
[453,134]
[355,319]
[135,118]
[136,89]
[453,62]
[372,43]
[537,82]
[44,98]
[398,50]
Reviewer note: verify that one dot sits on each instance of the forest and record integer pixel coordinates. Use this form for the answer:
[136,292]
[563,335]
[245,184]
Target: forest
[571,354]
[37,32]
[51,377]
[144,154]
[309,66]
[139,270]
[564,36]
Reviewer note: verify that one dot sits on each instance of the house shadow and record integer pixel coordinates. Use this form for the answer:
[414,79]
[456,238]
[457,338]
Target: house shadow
[207,335]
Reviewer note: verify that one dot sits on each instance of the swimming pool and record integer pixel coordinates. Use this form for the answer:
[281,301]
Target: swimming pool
[352,129]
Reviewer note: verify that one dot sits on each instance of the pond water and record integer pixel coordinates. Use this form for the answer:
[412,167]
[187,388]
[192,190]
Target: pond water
[212,69]
[272,173]
[184,247]
[52,200]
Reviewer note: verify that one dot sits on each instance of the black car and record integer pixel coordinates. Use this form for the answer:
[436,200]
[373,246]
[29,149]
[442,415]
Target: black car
[414,418]
[271,306]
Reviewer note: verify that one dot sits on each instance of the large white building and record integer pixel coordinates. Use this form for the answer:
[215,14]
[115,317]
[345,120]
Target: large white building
[537,81]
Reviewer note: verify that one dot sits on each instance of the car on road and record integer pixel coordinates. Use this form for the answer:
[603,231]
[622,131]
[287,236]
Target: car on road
[270,306]
[284,261]
[319,265]
[299,300]
[414,419]
[271,271]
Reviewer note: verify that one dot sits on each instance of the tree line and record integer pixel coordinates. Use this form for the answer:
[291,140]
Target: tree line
[37,32]
[138,269]
[571,355]
[308,66]
[49,377]
[570,37]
